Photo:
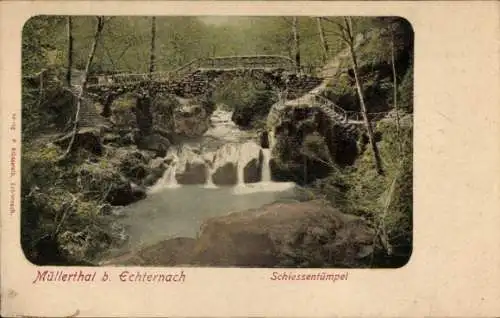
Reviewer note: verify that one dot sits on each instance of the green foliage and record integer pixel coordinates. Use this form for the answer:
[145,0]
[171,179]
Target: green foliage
[386,200]
[39,42]
[60,205]
[342,91]
[406,90]
[315,146]
[250,99]
[126,41]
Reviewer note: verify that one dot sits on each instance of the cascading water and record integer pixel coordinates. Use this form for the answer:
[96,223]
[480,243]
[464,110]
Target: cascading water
[168,179]
[209,183]
[266,169]
[171,180]
[226,150]
[208,175]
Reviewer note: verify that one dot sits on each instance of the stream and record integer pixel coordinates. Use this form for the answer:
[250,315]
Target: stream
[173,209]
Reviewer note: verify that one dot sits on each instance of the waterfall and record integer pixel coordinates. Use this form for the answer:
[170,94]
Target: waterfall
[225,156]
[170,175]
[210,183]
[168,179]
[241,175]
[266,170]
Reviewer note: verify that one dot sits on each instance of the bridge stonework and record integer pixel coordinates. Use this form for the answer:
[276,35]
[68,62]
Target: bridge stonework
[201,76]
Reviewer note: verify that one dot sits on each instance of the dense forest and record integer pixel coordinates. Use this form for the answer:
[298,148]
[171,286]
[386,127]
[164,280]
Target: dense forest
[79,170]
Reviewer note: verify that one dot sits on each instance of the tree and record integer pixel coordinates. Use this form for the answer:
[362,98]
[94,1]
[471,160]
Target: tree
[347,36]
[395,86]
[97,36]
[296,43]
[70,50]
[322,38]
[153,46]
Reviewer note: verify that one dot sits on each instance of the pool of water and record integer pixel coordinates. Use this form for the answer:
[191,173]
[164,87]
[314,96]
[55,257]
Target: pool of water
[179,212]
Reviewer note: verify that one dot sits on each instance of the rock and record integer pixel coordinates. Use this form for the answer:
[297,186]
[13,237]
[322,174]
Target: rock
[264,139]
[227,174]
[305,234]
[162,113]
[88,138]
[132,163]
[150,180]
[193,173]
[138,192]
[120,194]
[110,138]
[191,120]
[122,112]
[296,234]
[105,209]
[125,193]
[285,172]
[304,141]
[154,142]
[242,117]
[118,139]
[103,179]
[156,171]
[172,252]
[252,171]
[157,166]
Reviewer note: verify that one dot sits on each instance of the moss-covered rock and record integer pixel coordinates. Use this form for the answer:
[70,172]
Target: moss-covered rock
[226,174]
[304,144]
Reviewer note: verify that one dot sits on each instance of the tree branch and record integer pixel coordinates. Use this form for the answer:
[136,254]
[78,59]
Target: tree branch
[99,27]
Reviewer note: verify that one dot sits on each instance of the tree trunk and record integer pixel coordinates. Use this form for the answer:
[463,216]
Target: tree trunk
[143,114]
[324,44]
[97,35]
[350,42]
[106,104]
[70,50]
[153,46]
[395,93]
[296,43]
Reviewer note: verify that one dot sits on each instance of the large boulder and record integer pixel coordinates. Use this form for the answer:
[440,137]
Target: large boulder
[172,252]
[306,234]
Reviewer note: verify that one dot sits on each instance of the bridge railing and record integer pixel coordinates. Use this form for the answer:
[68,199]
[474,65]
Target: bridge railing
[258,61]
[349,115]
[223,62]
[339,111]
[185,69]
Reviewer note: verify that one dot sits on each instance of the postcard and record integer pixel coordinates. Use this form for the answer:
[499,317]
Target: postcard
[250,159]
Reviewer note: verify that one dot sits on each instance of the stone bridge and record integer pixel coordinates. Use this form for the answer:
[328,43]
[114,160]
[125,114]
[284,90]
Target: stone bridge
[201,76]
